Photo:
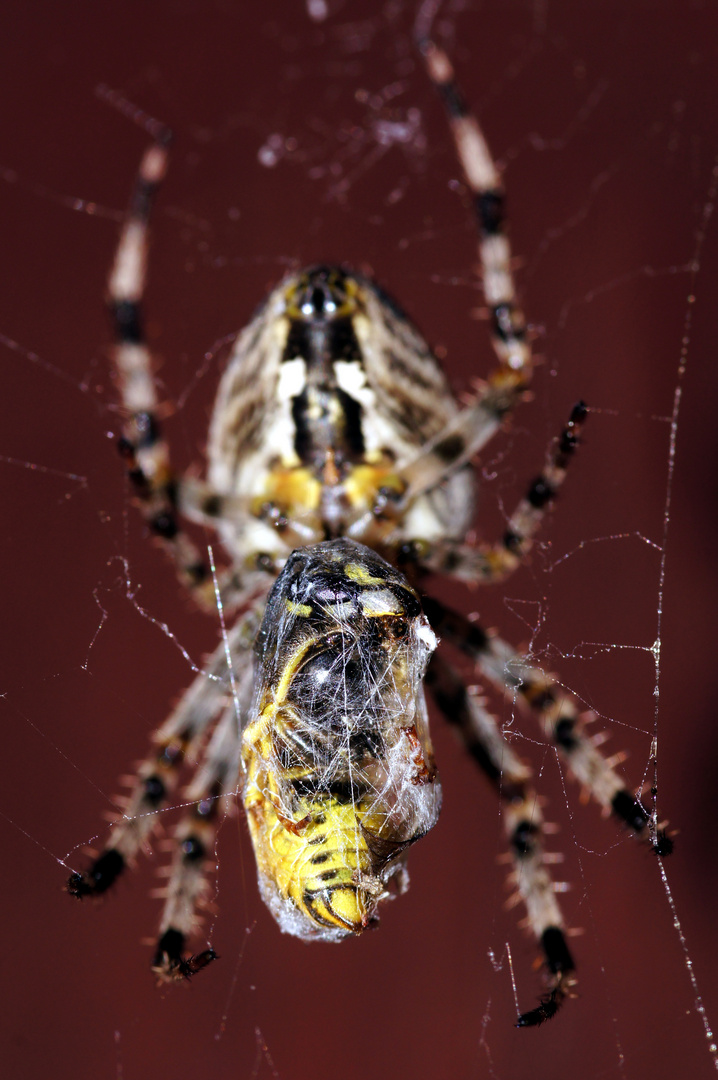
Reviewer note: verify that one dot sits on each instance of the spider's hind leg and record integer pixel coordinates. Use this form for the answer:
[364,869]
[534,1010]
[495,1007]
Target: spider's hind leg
[142,445]
[506,384]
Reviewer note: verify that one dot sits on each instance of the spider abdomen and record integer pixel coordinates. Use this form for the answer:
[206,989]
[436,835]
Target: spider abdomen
[327,393]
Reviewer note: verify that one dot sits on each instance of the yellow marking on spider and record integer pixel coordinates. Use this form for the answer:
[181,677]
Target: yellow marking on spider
[364,482]
[290,488]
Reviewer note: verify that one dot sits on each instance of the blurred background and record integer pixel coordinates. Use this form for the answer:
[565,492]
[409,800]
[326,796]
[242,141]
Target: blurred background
[304,132]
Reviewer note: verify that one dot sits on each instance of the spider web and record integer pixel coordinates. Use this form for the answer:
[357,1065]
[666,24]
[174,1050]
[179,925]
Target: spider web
[309,132]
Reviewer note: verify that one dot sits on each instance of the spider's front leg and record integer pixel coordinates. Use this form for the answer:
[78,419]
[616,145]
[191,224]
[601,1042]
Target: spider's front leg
[181,740]
[524,827]
[208,798]
[558,712]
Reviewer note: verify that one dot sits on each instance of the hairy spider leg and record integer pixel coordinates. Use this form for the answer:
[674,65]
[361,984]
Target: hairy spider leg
[471,429]
[209,798]
[523,824]
[557,710]
[142,445]
[162,495]
[564,726]
[489,563]
[156,779]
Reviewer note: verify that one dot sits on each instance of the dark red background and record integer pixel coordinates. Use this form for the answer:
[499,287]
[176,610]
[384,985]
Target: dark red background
[605,116]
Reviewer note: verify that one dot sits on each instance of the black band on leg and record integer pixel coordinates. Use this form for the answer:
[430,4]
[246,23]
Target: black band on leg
[169,963]
[560,963]
[101,875]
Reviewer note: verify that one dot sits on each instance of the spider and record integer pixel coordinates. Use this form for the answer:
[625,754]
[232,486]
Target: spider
[339,475]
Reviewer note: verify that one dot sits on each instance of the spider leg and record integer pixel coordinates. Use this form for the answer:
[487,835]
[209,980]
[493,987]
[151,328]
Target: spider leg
[523,823]
[471,429]
[557,711]
[194,842]
[489,563]
[157,776]
[145,451]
